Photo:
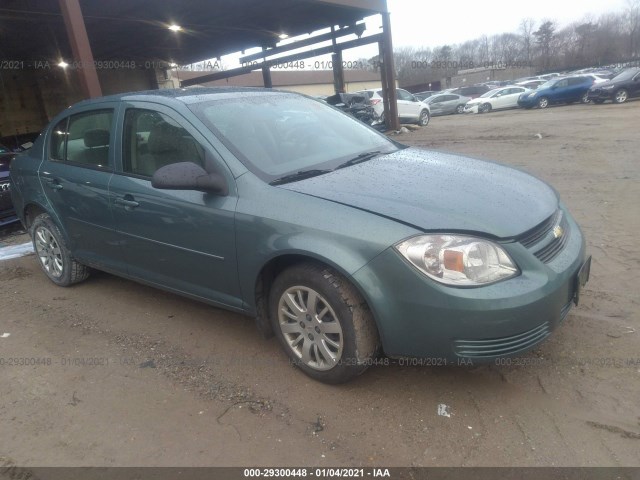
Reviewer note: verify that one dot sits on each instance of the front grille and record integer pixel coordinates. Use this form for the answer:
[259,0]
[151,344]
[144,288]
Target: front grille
[533,236]
[548,238]
[501,346]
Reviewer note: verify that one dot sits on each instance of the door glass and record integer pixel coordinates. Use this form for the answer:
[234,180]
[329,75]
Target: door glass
[58,137]
[153,140]
[88,138]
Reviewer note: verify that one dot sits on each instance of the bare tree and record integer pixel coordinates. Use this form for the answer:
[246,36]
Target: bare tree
[526,36]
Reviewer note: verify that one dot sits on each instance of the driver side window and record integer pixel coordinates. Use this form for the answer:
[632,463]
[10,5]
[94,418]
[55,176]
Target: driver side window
[153,140]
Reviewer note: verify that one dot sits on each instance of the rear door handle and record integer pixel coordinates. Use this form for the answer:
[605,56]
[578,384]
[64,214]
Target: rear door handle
[53,183]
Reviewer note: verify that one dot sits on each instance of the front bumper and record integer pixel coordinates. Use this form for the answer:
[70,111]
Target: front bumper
[471,109]
[418,317]
[528,102]
[600,94]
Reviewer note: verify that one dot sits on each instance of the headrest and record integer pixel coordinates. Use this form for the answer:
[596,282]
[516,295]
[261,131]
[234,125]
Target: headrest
[96,138]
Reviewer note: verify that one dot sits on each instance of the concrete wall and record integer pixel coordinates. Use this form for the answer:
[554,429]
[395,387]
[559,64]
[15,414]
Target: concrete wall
[485,75]
[30,98]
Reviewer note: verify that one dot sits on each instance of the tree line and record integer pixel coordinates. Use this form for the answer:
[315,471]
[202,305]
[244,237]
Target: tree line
[611,38]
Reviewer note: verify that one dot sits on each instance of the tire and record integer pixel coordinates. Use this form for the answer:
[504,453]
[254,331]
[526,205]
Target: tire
[585,98]
[543,102]
[484,108]
[339,340]
[53,255]
[460,109]
[423,120]
[621,96]
[598,101]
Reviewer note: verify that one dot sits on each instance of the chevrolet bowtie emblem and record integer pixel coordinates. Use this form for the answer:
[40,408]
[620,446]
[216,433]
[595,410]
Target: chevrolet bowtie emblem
[558,231]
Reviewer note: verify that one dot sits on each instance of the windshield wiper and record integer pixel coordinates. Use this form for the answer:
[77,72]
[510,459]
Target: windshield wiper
[363,157]
[301,175]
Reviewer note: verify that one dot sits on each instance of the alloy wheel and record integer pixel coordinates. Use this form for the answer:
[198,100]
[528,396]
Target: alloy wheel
[49,251]
[310,327]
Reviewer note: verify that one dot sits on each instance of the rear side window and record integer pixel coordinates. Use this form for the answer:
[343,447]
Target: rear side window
[83,139]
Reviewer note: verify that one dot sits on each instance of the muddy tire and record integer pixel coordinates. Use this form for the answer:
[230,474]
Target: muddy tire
[323,323]
[53,255]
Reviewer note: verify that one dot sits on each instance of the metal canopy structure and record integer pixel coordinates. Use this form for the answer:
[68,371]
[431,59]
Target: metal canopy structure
[138,30]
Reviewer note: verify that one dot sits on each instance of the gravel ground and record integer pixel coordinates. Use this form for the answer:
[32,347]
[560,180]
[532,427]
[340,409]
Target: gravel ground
[122,374]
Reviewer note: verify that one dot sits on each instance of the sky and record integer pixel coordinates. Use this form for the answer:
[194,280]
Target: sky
[425,23]
[422,23]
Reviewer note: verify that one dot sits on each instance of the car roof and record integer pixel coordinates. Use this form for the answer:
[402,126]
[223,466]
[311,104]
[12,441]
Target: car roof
[184,95]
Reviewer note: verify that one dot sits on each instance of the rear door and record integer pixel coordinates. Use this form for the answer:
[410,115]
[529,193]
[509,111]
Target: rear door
[179,239]
[75,176]
[408,107]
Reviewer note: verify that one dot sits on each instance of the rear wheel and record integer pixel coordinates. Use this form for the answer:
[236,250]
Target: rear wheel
[460,109]
[585,98]
[423,120]
[323,323]
[621,96]
[54,257]
[543,102]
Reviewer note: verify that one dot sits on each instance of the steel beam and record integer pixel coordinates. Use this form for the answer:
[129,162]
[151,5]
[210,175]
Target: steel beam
[79,41]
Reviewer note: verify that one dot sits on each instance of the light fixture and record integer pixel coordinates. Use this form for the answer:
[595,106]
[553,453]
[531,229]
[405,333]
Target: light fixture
[63,64]
[282,36]
[175,28]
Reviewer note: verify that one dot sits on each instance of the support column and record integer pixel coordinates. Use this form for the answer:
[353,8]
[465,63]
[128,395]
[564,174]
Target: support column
[266,75]
[338,72]
[388,71]
[81,48]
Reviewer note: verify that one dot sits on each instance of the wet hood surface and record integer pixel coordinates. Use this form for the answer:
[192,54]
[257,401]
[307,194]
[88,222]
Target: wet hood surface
[437,191]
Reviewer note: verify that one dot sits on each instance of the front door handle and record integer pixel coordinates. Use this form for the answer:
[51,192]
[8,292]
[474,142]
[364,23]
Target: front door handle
[53,183]
[127,202]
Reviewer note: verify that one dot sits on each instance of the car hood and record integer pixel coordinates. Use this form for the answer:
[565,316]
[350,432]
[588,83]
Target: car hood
[439,192]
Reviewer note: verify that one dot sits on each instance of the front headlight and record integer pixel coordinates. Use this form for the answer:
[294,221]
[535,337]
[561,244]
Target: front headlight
[608,87]
[458,260]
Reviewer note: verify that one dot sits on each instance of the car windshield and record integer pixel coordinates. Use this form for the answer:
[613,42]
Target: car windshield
[490,93]
[548,84]
[626,75]
[279,134]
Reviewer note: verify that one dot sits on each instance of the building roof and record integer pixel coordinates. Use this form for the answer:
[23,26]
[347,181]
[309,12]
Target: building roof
[34,30]
[284,78]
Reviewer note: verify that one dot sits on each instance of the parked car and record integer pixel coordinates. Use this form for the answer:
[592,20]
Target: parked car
[357,106]
[446,104]
[505,97]
[410,109]
[596,78]
[337,239]
[472,91]
[619,89]
[7,212]
[558,90]
[422,96]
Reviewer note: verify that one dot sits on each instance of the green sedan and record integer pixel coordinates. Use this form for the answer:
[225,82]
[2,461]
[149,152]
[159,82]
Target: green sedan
[343,243]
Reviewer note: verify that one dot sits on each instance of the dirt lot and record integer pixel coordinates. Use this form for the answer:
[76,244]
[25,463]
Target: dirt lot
[129,375]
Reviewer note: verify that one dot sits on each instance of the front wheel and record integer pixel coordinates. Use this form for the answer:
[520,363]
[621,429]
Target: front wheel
[54,256]
[621,96]
[484,108]
[423,120]
[543,102]
[323,323]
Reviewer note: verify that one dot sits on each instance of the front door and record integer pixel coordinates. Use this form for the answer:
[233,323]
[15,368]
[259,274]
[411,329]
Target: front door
[179,239]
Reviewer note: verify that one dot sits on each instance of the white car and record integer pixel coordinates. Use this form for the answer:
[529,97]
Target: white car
[503,97]
[595,77]
[410,109]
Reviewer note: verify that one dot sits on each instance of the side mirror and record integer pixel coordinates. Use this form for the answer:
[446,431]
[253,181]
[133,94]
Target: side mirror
[189,176]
